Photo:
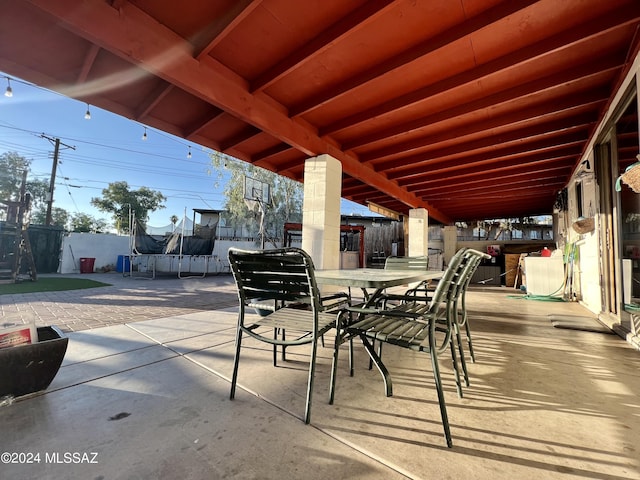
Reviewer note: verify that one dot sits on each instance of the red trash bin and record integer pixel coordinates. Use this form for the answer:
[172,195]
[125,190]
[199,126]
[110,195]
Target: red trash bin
[86,265]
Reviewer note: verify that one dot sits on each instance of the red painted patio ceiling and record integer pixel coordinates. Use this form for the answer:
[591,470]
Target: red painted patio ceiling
[469,108]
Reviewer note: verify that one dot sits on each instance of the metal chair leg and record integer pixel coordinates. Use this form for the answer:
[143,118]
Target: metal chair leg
[312,367]
[236,361]
[334,365]
[351,368]
[438,381]
[468,331]
[275,348]
[456,370]
[463,362]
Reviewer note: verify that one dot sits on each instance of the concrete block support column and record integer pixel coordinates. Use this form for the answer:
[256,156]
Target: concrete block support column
[418,232]
[321,210]
[450,242]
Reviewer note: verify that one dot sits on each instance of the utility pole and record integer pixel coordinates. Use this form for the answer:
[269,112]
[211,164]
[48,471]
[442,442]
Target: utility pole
[54,168]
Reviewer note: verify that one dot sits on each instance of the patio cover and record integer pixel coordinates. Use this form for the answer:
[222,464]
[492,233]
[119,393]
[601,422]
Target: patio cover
[471,109]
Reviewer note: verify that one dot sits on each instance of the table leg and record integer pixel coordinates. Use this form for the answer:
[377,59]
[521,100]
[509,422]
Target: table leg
[378,363]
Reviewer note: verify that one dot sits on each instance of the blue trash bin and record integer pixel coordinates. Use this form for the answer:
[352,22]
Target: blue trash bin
[123,264]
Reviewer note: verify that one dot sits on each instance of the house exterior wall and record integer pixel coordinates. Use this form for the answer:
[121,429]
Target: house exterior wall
[585,270]
[587,274]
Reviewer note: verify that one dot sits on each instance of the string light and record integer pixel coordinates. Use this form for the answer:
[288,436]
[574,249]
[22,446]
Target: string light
[189,152]
[87,114]
[8,92]
[144,135]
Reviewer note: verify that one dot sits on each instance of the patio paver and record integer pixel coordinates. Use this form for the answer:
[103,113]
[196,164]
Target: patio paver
[150,398]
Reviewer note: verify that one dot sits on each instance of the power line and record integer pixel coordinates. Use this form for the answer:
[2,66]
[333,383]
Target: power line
[113,147]
[133,155]
[69,191]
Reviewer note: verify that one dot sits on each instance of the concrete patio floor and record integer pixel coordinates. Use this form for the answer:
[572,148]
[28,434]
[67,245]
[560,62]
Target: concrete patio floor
[150,399]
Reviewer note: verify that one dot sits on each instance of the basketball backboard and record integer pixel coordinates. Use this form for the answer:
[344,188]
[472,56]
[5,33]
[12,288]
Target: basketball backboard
[257,191]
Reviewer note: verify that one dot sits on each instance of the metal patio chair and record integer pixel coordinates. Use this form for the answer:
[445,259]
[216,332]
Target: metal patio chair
[472,259]
[423,292]
[292,311]
[416,325]
[462,317]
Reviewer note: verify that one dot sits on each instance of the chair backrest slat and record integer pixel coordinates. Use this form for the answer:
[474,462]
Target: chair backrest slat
[407,263]
[283,275]
[447,286]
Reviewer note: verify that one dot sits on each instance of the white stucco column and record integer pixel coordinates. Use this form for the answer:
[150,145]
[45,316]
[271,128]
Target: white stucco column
[450,242]
[418,232]
[321,210]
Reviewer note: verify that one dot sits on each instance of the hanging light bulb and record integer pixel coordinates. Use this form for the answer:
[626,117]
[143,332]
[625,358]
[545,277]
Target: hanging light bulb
[8,92]
[144,135]
[189,152]
[87,114]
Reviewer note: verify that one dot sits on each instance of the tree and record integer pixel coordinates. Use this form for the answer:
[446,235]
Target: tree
[174,220]
[286,197]
[83,222]
[39,190]
[59,216]
[502,226]
[12,167]
[119,200]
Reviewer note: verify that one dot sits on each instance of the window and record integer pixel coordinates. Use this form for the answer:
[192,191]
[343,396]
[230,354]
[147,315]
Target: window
[579,199]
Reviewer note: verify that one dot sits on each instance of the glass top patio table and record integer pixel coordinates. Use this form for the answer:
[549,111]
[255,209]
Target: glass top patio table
[380,280]
[373,278]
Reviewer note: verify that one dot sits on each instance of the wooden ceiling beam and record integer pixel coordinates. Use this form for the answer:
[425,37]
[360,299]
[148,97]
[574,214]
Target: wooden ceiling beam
[489,196]
[577,109]
[581,34]
[242,136]
[514,192]
[599,69]
[514,155]
[147,105]
[206,40]
[514,150]
[551,133]
[272,152]
[196,127]
[567,109]
[355,189]
[358,19]
[474,211]
[346,86]
[492,173]
[488,189]
[557,168]
[88,62]
[134,36]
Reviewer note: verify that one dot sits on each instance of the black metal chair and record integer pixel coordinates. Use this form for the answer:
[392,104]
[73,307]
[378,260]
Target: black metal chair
[281,283]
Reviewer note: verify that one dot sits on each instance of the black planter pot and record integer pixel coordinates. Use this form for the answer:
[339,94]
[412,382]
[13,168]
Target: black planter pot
[30,368]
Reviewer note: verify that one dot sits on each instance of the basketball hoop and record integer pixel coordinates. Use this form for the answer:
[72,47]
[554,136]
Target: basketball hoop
[257,193]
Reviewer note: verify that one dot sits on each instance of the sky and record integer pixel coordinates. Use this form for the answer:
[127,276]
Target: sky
[107,148]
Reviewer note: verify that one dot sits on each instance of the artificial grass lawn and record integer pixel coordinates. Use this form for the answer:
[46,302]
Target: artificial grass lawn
[49,284]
